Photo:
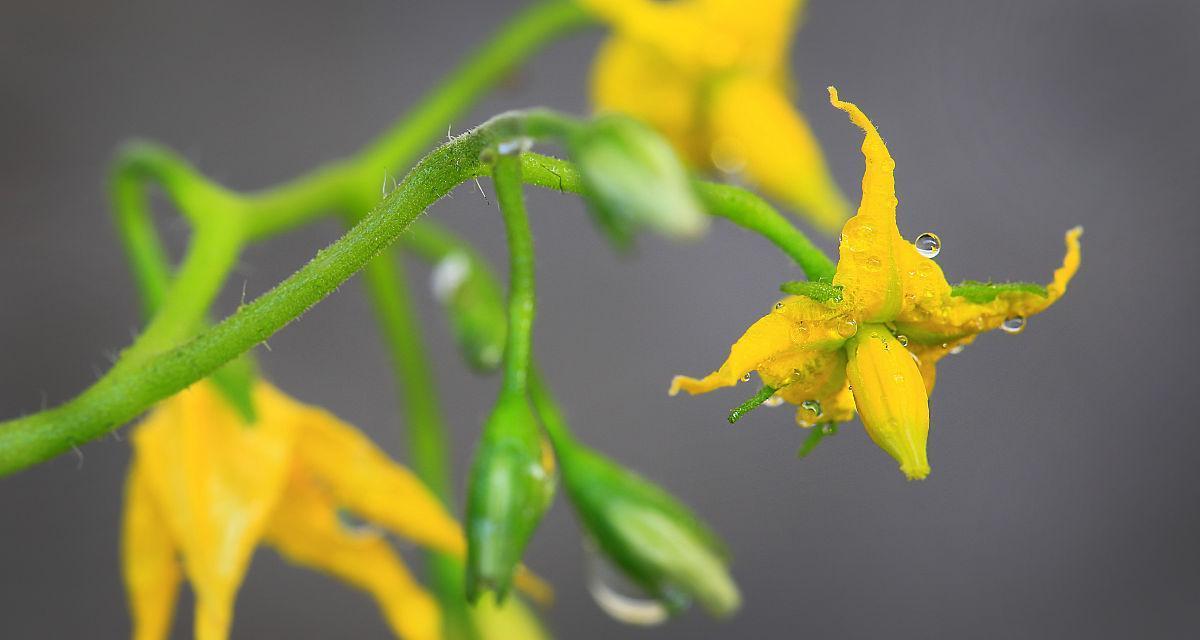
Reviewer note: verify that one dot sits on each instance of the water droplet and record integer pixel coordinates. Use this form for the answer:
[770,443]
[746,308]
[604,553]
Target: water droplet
[746,378]
[956,349]
[848,328]
[1013,325]
[828,429]
[812,406]
[778,306]
[773,401]
[874,264]
[515,145]
[902,339]
[727,156]
[448,275]
[617,596]
[928,245]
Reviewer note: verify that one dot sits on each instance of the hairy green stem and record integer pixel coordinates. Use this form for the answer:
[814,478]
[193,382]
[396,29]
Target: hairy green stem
[736,205]
[506,176]
[116,399]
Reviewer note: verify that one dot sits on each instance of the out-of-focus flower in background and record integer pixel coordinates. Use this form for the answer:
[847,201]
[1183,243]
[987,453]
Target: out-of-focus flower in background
[713,76]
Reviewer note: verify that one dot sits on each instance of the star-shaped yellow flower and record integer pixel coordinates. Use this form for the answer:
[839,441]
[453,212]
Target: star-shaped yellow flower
[712,75]
[870,339]
[206,487]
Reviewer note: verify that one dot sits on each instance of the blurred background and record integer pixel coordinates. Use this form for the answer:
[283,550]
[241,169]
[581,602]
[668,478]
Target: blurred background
[1065,487]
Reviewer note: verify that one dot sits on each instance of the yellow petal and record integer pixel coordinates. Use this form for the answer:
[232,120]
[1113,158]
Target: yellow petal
[151,570]
[306,529]
[867,264]
[938,317]
[365,480]
[834,403]
[706,34]
[755,125]
[215,480]
[890,395]
[796,331]
[506,622]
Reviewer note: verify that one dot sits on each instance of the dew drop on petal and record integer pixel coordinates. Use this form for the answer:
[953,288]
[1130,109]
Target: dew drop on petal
[956,349]
[902,339]
[617,596]
[848,328]
[928,245]
[746,378]
[1013,324]
[778,306]
[773,401]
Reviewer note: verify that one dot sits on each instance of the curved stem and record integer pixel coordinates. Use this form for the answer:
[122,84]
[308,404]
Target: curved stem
[116,399]
[736,205]
[506,176]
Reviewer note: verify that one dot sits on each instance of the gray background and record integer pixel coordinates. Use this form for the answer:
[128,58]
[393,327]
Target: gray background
[1063,501]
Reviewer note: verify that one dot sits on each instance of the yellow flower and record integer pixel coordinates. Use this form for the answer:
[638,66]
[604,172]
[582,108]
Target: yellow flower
[712,76]
[206,487]
[871,338]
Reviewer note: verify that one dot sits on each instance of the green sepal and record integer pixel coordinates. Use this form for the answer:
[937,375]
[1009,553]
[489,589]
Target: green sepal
[984,292]
[738,412]
[816,436]
[817,290]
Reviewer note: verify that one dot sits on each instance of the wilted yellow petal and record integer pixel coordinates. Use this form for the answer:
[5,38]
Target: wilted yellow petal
[890,395]
[215,480]
[366,481]
[151,570]
[790,336]
[753,123]
[306,529]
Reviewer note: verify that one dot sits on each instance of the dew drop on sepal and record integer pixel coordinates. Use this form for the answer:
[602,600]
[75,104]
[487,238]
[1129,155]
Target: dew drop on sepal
[812,406]
[617,596]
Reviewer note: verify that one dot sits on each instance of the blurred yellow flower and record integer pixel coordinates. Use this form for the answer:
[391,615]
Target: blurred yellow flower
[871,338]
[712,75]
[206,487]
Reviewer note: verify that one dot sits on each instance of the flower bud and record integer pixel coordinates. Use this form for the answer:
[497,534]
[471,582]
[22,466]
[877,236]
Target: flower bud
[656,541]
[510,488]
[890,395]
[476,308]
[632,177]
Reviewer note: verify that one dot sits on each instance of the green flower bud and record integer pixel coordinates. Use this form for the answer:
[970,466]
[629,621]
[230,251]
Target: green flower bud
[633,178]
[656,541]
[512,482]
[476,308]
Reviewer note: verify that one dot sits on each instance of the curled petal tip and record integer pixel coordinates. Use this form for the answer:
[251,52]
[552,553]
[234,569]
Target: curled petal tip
[684,383]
